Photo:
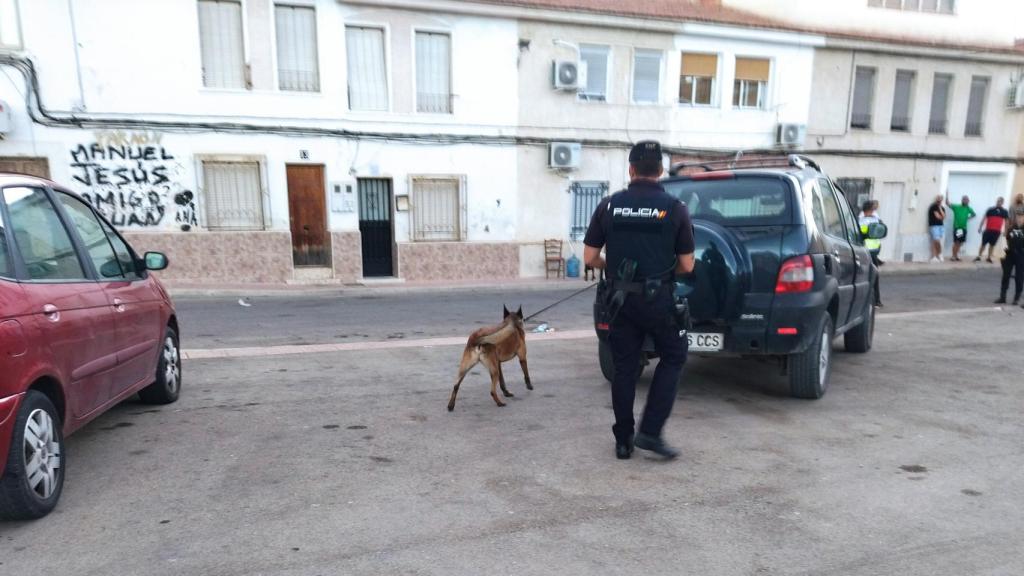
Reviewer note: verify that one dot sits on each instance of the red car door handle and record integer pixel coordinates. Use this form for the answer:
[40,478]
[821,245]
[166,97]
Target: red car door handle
[118,305]
[51,312]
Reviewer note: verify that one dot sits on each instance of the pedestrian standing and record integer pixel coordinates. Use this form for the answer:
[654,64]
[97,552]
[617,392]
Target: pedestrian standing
[648,237]
[936,228]
[991,228]
[868,217]
[962,212]
[1013,262]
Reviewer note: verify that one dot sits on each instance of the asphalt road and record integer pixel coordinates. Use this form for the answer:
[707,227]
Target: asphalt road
[348,462]
[286,320]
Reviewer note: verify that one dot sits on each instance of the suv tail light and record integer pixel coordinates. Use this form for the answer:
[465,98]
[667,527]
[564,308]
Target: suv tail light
[795,275]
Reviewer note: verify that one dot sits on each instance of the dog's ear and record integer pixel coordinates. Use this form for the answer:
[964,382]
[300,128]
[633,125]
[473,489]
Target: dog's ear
[505,312]
[520,312]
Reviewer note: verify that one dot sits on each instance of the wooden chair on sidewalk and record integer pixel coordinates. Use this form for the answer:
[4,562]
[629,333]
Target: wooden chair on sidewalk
[553,260]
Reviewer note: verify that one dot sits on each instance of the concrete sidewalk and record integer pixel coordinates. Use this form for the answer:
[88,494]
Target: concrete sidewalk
[398,286]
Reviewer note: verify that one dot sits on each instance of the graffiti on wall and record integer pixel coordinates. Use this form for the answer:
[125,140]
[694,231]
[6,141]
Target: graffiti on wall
[133,180]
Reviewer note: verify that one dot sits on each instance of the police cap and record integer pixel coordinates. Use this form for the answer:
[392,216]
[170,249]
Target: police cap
[645,150]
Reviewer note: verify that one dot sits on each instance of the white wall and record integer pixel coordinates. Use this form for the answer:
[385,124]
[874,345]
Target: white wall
[980,22]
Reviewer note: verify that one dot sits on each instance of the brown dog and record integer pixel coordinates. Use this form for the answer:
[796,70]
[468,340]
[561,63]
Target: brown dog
[491,346]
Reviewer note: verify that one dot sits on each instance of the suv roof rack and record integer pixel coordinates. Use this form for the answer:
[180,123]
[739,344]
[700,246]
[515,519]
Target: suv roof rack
[792,160]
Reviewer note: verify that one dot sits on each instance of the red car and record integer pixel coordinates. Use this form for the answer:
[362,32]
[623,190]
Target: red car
[83,325]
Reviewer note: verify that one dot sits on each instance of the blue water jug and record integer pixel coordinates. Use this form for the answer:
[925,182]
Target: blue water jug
[572,267]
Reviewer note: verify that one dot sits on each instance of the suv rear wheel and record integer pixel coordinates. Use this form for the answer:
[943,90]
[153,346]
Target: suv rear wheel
[809,370]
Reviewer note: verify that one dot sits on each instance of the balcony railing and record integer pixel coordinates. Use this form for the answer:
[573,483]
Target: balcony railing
[433,103]
[900,124]
[972,129]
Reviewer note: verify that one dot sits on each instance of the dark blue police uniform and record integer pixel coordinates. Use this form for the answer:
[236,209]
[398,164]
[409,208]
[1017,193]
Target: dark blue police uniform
[646,225]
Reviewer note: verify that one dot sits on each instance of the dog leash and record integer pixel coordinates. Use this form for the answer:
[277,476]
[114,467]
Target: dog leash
[573,295]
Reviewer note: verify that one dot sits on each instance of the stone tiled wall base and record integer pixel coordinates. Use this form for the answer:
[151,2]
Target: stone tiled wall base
[458,261]
[347,256]
[221,257]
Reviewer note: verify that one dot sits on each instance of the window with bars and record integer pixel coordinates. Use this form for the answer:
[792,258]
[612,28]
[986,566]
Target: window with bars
[221,44]
[901,99]
[863,98]
[433,72]
[697,82]
[437,208]
[596,60]
[233,195]
[856,190]
[298,66]
[585,198]
[10,29]
[646,76]
[751,84]
[939,115]
[976,105]
[940,6]
[367,69]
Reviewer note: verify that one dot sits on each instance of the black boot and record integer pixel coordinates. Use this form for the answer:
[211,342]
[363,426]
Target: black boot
[623,450]
[1000,300]
[657,445]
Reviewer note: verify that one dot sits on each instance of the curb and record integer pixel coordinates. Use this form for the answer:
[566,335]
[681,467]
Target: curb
[357,290]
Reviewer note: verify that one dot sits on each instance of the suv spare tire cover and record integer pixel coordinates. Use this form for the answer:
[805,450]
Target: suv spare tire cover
[721,274]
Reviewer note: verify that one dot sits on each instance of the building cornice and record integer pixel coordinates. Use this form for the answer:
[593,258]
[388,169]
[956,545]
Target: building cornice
[969,54]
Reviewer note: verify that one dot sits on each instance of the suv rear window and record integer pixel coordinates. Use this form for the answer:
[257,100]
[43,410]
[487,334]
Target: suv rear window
[740,201]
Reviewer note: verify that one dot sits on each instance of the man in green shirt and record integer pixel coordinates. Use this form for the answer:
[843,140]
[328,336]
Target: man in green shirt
[962,212]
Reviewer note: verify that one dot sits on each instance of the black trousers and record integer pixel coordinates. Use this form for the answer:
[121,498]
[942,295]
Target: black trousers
[1013,260]
[878,288]
[635,320]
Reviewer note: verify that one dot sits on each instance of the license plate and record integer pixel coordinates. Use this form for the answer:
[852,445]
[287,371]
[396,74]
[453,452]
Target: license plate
[705,342]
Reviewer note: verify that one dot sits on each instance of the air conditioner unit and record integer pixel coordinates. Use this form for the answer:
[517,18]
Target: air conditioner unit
[1016,99]
[790,134]
[565,155]
[568,75]
[5,119]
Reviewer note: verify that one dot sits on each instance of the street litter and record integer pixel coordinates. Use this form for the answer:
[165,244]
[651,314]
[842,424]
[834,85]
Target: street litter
[244,302]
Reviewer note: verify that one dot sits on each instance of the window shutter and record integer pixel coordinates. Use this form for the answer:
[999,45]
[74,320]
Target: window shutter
[9,28]
[596,58]
[220,43]
[297,66]
[436,209]
[367,72]
[700,65]
[863,93]
[976,105]
[233,196]
[940,104]
[646,76]
[901,100]
[753,69]
[433,73]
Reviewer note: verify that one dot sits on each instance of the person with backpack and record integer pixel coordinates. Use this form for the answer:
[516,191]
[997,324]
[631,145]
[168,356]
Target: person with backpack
[1013,262]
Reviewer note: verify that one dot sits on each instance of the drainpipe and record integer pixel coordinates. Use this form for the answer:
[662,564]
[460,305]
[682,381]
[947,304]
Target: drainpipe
[78,63]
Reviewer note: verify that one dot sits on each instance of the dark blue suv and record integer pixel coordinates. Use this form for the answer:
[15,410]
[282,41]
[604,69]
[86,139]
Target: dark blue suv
[781,268]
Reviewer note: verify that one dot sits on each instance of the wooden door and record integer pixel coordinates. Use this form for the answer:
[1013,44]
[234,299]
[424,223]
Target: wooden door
[307,212]
[375,226]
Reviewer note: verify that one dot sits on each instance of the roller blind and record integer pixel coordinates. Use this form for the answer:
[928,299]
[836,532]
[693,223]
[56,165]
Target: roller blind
[753,69]
[596,58]
[901,100]
[233,196]
[976,105]
[433,72]
[297,66]
[221,45]
[700,65]
[646,76]
[863,95]
[940,103]
[367,71]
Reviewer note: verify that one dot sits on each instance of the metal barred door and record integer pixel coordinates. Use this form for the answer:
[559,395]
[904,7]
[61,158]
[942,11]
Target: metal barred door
[375,226]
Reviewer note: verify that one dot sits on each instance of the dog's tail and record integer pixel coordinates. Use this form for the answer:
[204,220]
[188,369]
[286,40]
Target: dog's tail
[497,336]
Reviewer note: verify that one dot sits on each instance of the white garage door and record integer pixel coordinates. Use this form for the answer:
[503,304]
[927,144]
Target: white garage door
[982,189]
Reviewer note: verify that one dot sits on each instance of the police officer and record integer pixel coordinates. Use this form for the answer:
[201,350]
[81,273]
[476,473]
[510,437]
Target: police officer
[868,217]
[648,238]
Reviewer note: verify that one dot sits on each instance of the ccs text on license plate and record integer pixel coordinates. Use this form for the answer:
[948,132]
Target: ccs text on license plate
[704,342]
